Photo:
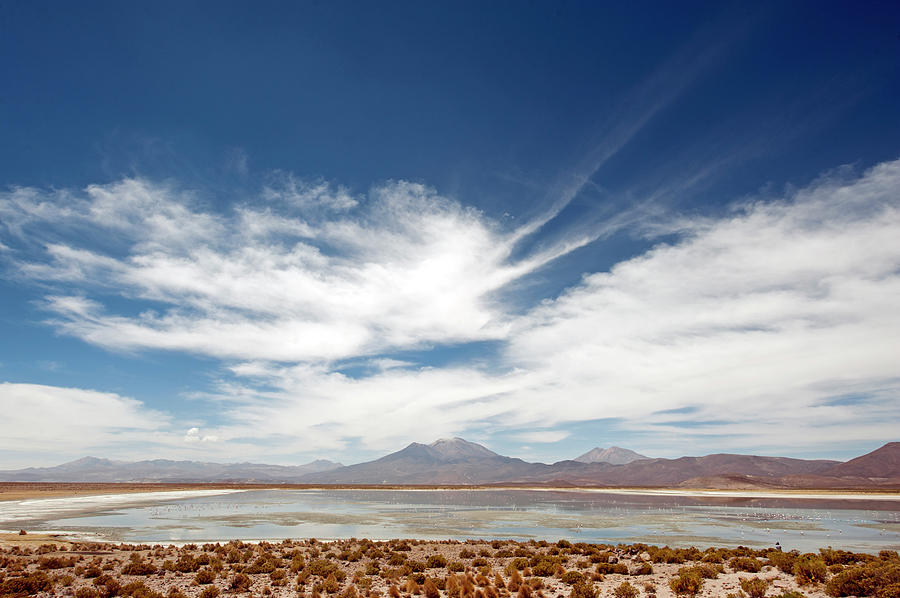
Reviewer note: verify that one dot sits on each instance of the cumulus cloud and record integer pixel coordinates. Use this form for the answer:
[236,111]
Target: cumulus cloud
[72,420]
[774,325]
[193,435]
[753,325]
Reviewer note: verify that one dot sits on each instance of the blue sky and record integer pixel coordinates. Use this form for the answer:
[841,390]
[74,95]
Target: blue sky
[324,230]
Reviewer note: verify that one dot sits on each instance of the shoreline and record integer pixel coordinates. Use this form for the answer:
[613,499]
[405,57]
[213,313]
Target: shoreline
[20,491]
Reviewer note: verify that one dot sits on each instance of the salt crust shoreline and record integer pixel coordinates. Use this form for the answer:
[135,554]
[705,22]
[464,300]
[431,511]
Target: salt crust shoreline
[41,508]
[161,494]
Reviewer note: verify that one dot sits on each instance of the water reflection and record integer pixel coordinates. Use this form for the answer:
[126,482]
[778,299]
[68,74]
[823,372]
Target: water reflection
[805,524]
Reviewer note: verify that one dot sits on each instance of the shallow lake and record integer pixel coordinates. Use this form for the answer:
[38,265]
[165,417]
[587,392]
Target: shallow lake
[579,516]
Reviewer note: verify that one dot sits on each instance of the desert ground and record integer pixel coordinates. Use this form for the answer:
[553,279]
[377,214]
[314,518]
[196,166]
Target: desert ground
[44,566]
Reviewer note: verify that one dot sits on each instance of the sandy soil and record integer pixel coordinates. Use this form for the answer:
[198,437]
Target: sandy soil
[365,569]
[8,540]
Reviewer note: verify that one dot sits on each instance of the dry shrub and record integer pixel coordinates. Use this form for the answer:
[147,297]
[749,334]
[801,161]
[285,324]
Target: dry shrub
[878,578]
[431,590]
[467,586]
[137,589]
[703,571]
[713,555]
[625,590]
[241,583]
[56,562]
[687,583]
[396,559]
[754,586]
[612,569]
[451,585]
[842,557]
[544,565]
[413,587]
[108,585]
[210,592]
[584,589]
[783,560]
[186,564]
[138,567]
[29,584]
[515,580]
[572,577]
[264,564]
[745,564]
[809,568]
[205,576]
[331,584]
[86,592]
[667,555]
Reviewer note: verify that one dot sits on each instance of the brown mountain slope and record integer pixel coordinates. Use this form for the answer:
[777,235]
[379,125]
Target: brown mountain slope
[457,461]
[883,462]
[614,455]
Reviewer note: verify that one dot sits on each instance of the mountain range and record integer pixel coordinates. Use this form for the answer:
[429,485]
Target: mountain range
[456,461]
[92,469]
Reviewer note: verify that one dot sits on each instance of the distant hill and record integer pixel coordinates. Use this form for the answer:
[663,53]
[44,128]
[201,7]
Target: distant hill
[614,455]
[445,461]
[455,461]
[880,463]
[92,469]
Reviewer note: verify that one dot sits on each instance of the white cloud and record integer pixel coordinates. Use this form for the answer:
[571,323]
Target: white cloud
[753,326]
[746,330]
[72,420]
[755,320]
[307,195]
[193,435]
[541,436]
[412,268]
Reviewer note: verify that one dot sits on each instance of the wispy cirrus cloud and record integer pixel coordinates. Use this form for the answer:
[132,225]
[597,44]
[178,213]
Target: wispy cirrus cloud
[265,282]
